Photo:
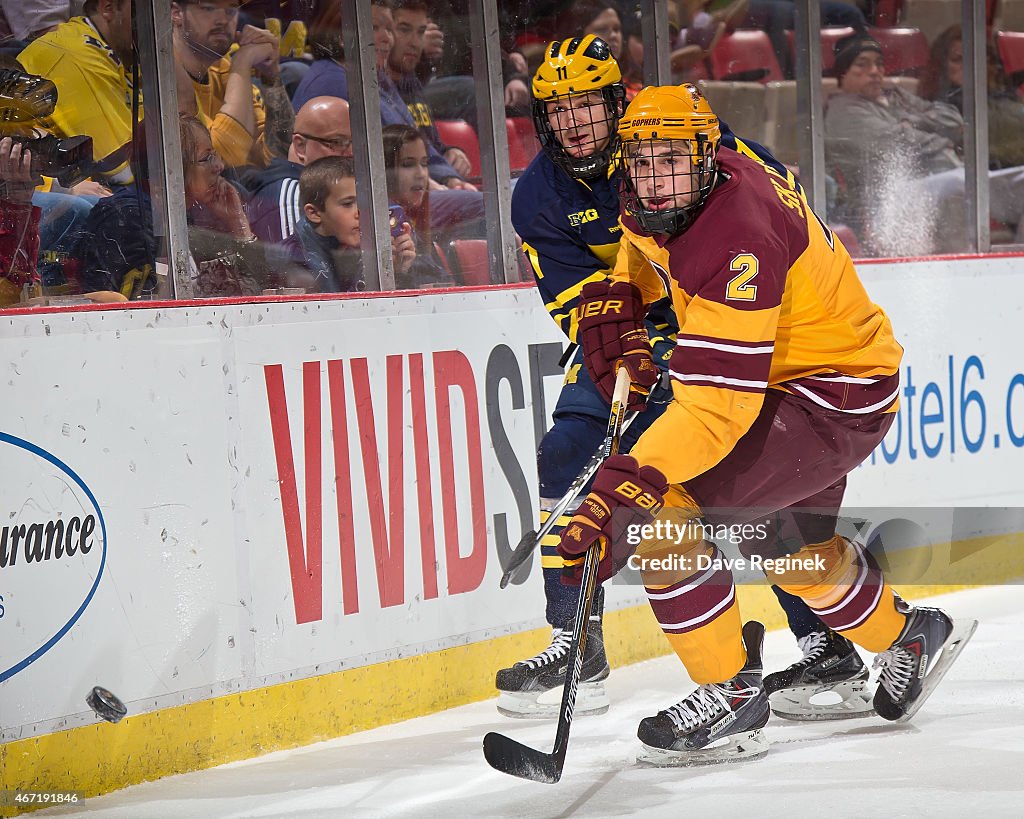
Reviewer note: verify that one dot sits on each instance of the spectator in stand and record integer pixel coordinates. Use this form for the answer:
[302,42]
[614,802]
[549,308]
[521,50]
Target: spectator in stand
[326,239]
[118,250]
[19,222]
[249,126]
[600,18]
[322,128]
[90,60]
[943,82]
[456,207]
[408,182]
[328,77]
[448,70]
[410,18]
[899,156]
[287,20]
[64,211]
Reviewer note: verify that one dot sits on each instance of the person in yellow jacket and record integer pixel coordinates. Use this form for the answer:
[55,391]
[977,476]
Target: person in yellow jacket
[785,377]
[90,60]
[215,67]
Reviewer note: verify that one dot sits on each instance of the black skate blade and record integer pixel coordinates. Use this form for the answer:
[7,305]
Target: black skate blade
[961,634]
[508,756]
[520,555]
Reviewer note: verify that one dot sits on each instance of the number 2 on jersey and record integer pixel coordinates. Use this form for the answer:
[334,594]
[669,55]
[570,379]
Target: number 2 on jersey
[739,287]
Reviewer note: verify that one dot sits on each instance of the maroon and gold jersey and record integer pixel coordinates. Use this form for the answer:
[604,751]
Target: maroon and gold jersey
[767,298]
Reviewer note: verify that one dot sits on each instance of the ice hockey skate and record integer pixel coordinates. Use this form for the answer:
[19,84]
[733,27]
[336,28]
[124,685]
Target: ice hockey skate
[719,722]
[532,688]
[915,664]
[830,682]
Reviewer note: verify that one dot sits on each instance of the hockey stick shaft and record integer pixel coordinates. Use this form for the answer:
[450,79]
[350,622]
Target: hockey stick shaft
[512,757]
[525,547]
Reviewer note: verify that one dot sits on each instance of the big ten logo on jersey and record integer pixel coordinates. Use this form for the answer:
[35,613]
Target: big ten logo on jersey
[784,190]
[293,41]
[583,216]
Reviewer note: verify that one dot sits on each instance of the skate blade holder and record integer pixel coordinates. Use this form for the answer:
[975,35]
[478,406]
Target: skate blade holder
[849,699]
[106,704]
[591,700]
[748,745]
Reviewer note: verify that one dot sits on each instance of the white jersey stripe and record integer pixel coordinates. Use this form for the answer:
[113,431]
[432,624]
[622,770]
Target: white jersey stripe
[854,589]
[651,595]
[706,617]
[726,348]
[867,613]
[844,379]
[823,403]
[718,379]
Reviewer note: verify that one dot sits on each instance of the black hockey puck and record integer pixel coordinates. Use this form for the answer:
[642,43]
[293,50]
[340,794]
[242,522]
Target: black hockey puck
[106,704]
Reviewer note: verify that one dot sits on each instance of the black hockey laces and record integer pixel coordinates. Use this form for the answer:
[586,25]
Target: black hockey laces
[705,703]
[897,666]
[560,640]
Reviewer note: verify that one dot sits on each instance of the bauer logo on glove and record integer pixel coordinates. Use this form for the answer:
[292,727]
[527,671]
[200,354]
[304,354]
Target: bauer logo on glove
[612,333]
[624,494]
[645,500]
[601,308]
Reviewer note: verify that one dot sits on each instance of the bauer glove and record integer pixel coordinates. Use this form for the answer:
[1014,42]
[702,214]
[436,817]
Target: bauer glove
[636,493]
[611,331]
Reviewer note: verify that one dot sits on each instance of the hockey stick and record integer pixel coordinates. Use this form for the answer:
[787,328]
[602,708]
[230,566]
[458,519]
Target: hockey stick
[512,757]
[521,553]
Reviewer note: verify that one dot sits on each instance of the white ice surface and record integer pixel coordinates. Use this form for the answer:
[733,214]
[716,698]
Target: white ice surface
[962,756]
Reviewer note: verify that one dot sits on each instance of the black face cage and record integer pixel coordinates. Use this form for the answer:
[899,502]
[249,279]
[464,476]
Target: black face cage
[702,169]
[587,167]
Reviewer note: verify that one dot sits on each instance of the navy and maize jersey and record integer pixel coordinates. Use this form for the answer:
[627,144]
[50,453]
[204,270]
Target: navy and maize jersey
[570,232]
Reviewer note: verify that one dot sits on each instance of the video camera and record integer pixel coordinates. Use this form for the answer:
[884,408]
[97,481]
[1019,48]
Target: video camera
[26,99]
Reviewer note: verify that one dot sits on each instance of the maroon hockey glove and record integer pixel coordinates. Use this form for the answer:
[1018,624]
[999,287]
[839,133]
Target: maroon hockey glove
[621,484]
[612,333]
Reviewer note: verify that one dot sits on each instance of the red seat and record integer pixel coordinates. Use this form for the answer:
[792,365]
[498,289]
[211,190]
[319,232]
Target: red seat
[527,134]
[1011,52]
[745,54]
[905,49]
[458,133]
[518,158]
[472,260]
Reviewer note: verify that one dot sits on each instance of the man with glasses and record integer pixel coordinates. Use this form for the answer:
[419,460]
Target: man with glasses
[322,128]
[248,127]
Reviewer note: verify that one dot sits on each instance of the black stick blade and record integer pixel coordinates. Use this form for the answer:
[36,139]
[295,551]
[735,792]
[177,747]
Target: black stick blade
[513,758]
[520,555]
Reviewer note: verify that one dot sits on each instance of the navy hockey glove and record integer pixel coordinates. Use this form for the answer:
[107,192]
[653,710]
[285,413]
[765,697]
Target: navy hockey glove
[621,484]
[612,333]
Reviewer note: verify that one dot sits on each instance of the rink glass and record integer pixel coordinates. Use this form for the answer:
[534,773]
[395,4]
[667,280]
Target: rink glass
[475,92]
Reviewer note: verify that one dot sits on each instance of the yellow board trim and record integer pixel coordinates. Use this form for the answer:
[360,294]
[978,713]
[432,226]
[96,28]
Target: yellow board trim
[101,758]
